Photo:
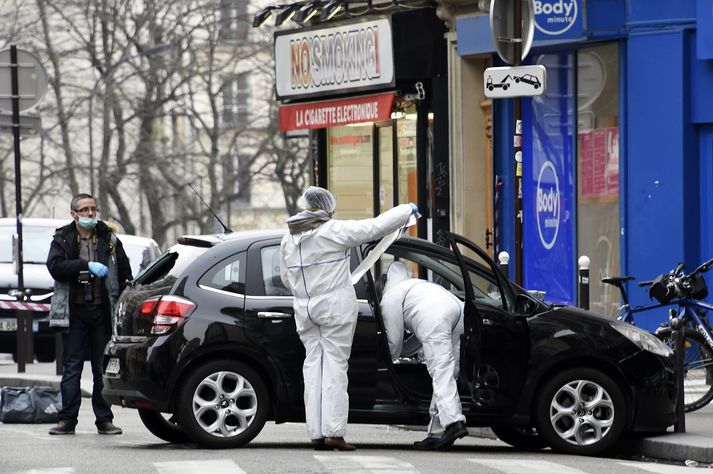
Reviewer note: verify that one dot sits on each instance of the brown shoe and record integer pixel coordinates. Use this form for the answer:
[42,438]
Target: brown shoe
[318,445]
[338,444]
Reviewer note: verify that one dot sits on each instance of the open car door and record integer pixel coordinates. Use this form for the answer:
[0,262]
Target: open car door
[495,346]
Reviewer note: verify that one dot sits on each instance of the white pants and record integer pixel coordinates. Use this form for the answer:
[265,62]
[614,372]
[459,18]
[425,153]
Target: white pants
[328,343]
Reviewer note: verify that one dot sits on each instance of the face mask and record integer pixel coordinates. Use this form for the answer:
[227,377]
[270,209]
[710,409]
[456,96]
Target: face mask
[87,223]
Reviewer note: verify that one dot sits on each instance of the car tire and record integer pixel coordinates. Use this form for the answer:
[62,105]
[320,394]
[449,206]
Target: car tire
[165,429]
[521,437]
[568,424]
[223,404]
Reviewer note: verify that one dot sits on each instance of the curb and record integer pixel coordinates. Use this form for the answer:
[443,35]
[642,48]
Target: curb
[673,446]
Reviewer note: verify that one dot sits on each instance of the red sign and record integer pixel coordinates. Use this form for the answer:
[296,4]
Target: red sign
[372,108]
[599,162]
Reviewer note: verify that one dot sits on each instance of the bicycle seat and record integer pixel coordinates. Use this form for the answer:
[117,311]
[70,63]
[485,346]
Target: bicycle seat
[617,281]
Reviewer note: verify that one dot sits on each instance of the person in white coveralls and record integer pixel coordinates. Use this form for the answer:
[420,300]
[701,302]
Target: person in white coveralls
[435,317]
[314,265]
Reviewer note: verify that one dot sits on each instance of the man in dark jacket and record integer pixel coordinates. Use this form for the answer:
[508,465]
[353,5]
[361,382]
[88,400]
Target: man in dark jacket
[90,269]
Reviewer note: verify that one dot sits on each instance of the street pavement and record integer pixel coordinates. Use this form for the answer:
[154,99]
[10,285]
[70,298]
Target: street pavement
[696,444]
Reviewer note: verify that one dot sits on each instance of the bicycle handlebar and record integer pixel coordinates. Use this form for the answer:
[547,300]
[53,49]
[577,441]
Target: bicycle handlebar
[646,283]
[704,267]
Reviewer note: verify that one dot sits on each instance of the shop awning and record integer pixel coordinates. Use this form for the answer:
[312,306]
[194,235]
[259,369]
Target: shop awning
[329,113]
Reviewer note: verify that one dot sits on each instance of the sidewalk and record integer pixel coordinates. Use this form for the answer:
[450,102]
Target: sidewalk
[695,444]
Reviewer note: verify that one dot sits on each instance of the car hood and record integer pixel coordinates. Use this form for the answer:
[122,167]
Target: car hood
[35,276]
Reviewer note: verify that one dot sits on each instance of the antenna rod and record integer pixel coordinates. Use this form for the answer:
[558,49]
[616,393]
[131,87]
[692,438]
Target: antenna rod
[227,229]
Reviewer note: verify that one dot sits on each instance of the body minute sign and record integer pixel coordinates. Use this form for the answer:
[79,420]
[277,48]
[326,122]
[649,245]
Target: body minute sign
[314,62]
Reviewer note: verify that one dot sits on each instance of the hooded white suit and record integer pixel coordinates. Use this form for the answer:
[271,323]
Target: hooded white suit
[315,266]
[435,316]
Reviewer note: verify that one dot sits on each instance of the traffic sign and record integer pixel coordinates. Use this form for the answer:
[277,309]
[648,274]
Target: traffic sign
[502,27]
[31,76]
[29,125]
[514,81]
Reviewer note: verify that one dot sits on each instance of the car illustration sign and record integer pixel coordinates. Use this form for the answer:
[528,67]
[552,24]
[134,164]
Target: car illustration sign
[514,81]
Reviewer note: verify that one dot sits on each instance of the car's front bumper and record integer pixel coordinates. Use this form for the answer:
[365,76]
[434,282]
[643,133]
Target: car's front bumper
[653,391]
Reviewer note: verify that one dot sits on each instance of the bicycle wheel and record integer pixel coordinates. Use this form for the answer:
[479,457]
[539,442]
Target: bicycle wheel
[697,370]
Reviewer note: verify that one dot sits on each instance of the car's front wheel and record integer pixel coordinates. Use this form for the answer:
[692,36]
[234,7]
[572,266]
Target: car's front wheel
[223,404]
[581,411]
[162,427]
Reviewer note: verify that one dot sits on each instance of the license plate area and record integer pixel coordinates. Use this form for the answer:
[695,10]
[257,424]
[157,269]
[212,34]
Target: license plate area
[8,325]
[112,367]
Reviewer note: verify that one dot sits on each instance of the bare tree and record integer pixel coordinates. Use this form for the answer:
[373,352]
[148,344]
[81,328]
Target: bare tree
[138,107]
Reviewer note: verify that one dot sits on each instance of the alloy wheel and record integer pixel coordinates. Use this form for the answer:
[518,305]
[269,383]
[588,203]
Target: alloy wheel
[582,412]
[224,404]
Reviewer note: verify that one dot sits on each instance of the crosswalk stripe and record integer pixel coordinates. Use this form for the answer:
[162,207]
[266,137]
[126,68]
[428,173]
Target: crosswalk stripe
[215,466]
[658,468]
[365,464]
[526,466]
[50,470]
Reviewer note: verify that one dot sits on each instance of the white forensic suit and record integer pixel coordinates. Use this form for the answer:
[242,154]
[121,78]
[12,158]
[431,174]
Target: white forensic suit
[434,316]
[315,266]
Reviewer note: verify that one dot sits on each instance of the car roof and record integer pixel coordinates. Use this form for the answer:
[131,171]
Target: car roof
[211,240]
[135,239]
[36,222]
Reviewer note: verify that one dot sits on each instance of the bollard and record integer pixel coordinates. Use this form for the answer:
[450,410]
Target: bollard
[678,335]
[503,259]
[583,282]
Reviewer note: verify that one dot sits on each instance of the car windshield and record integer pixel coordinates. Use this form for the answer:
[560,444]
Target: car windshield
[169,265]
[36,242]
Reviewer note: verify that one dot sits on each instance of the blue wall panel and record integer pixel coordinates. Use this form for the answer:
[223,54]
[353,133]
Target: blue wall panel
[655,157]
[503,154]
[660,10]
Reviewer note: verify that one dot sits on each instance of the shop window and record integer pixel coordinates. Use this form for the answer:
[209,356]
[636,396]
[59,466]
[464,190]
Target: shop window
[598,170]
[350,170]
[408,177]
[235,100]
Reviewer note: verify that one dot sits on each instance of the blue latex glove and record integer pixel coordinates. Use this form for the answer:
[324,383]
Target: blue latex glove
[98,269]
[414,208]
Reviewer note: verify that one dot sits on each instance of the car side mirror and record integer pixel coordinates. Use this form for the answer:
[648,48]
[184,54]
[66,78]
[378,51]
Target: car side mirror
[525,305]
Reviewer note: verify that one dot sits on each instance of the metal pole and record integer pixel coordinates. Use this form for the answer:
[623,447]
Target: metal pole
[583,282]
[677,336]
[22,329]
[517,146]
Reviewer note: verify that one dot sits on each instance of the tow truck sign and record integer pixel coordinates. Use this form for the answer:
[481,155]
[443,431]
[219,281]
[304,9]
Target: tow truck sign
[514,81]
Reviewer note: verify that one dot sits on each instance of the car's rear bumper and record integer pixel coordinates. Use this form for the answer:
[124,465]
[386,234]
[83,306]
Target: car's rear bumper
[654,391]
[141,379]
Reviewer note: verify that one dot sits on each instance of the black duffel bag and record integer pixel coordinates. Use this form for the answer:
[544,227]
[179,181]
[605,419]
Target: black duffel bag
[30,404]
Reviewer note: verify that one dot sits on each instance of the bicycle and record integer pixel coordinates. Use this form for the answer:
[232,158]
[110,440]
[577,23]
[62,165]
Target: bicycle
[676,288]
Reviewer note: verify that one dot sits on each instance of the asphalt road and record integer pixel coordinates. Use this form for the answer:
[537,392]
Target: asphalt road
[278,449]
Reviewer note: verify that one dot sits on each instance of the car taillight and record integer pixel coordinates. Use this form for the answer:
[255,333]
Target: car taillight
[168,312]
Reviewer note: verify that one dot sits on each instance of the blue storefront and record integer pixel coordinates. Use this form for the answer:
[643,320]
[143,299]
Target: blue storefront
[618,152]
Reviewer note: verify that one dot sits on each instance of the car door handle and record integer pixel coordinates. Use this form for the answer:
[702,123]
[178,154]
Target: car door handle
[273,315]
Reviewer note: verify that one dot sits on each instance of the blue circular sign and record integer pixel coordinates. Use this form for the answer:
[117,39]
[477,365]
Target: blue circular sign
[548,205]
[554,17]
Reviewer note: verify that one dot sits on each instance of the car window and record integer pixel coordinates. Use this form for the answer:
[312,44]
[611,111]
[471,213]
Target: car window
[169,265]
[444,272]
[270,264]
[140,256]
[36,242]
[227,275]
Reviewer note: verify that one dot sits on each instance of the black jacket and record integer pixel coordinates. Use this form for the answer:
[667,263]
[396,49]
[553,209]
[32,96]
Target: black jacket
[64,264]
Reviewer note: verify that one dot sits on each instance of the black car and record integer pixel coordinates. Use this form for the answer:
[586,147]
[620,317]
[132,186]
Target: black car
[205,347]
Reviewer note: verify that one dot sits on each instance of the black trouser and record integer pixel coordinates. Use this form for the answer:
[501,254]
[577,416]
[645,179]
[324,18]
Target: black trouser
[87,332]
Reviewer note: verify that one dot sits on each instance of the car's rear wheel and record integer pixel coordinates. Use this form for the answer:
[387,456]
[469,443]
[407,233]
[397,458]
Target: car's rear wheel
[581,411]
[223,404]
[520,437]
[164,427]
